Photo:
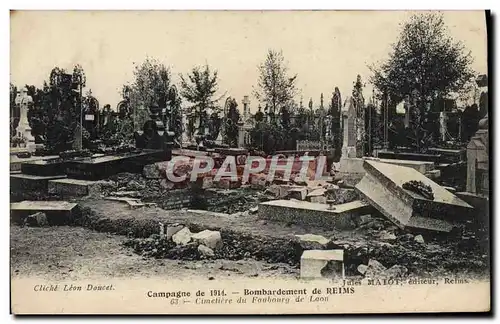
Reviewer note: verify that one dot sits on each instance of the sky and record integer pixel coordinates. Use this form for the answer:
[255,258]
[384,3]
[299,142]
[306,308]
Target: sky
[326,49]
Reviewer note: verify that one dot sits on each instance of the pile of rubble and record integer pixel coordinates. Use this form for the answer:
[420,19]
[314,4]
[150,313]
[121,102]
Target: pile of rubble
[178,242]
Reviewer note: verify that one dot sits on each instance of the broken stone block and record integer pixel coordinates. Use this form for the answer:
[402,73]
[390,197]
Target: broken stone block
[211,239]
[395,271]
[206,251]
[226,183]
[285,189]
[312,241]
[38,219]
[208,182]
[386,236]
[322,264]
[318,199]
[254,210]
[182,237]
[382,188]
[274,190]
[298,193]
[373,269]
[317,192]
[419,239]
[172,229]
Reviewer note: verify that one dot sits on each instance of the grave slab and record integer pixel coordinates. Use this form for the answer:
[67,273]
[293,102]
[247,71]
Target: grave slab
[73,187]
[16,162]
[355,165]
[26,182]
[97,168]
[58,212]
[316,264]
[45,167]
[382,187]
[317,214]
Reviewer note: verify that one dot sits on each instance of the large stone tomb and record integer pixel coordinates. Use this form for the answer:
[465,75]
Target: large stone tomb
[382,187]
[73,187]
[58,212]
[436,158]
[23,183]
[47,167]
[97,168]
[314,214]
[16,162]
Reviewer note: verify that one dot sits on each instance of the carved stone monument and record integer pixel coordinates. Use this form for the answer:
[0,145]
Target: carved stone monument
[349,129]
[23,130]
[154,134]
[478,161]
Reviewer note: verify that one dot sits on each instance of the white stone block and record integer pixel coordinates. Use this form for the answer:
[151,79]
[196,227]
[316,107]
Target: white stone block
[211,239]
[322,264]
[173,229]
[182,237]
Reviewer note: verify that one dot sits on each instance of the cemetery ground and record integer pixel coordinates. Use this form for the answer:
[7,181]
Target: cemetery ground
[107,238]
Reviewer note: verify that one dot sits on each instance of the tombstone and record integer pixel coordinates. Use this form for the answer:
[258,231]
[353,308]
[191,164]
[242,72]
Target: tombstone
[443,129]
[23,129]
[349,128]
[77,138]
[385,188]
[246,107]
[154,135]
[478,161]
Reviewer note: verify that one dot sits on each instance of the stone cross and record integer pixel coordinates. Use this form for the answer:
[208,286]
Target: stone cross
[23,130]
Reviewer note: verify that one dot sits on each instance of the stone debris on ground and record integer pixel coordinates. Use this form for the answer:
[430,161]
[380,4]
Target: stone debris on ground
[172,229]
[386,236]
[182,237]
[36,220]
[376,270]
[298,193]
[206,251]
[317,192]
[211,239]
[419,239]
[313,241]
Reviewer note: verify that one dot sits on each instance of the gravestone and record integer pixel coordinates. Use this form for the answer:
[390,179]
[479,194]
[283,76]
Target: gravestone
[349,129]
[382,187]
[154,135]
[23,130]
[478,161]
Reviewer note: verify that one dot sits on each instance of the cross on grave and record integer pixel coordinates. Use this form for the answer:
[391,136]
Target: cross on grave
[23,130]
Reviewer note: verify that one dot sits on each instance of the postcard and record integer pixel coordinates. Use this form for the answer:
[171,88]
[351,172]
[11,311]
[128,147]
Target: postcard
[249,162]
